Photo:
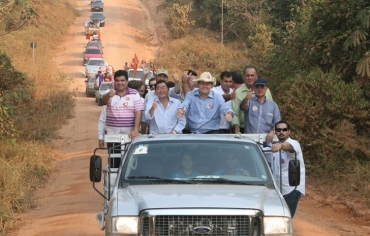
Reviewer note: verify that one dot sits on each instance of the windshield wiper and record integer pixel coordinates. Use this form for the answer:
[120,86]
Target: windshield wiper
[217,179]
[158,178]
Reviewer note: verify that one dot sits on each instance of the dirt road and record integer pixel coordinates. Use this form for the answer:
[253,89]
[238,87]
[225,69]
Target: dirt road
[67,204]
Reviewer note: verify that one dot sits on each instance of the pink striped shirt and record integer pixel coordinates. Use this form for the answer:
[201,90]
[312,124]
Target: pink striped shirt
[121,110]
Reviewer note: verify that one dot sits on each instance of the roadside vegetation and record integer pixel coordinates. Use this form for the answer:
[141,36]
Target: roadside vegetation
[35,99]
[316,58]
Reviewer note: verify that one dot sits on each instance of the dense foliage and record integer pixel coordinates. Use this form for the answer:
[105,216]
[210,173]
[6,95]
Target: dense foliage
[316,57]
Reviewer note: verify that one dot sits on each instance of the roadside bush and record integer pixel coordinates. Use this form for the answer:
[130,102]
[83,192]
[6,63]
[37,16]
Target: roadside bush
[23,166]
[330,118]
[10,77]
[33,118]
[6,123]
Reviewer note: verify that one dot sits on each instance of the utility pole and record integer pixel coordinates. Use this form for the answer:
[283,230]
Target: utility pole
[222,23]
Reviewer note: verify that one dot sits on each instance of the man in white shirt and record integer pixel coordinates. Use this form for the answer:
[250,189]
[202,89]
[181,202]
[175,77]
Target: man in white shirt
[174,92]
[87,24]
[161,111]
[101,126]
[225,89]
[286,145]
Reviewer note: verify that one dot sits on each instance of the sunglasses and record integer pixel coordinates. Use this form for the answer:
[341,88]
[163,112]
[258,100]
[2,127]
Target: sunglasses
[152,85]
[280,130]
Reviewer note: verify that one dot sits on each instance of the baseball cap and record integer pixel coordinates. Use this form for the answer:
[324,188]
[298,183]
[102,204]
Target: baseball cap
[260,81]
[162,71]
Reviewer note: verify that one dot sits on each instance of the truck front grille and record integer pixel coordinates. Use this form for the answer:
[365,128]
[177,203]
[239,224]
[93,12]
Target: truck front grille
[194,225]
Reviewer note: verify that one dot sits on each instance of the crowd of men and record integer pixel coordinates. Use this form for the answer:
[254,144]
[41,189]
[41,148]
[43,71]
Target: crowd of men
[198,106]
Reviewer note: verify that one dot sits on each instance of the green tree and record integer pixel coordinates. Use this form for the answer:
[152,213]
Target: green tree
[339,37]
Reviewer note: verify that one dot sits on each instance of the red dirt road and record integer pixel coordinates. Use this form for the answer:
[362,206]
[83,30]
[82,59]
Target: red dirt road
[67,203]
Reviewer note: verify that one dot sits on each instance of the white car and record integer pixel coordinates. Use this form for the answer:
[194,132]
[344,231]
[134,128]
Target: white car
[93,65]
[139,74]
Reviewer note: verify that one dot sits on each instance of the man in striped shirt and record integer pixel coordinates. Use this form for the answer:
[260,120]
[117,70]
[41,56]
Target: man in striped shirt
[124,107]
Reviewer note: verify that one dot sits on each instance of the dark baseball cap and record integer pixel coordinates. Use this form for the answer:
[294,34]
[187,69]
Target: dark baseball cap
[260,81]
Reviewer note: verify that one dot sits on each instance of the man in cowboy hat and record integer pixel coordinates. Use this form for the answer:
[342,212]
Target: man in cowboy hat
[204,107]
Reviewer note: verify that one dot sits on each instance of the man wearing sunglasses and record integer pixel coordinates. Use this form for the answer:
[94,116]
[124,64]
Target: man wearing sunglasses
[260,114]
[152,83]
[286,145]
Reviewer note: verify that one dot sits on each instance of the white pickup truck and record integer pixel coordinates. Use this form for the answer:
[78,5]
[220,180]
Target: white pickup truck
[191,184]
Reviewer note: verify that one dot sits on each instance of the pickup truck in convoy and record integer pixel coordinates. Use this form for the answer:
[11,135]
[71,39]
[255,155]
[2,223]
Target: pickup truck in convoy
[190,184]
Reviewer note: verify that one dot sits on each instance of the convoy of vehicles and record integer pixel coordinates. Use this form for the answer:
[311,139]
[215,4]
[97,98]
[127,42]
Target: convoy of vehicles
[230,190]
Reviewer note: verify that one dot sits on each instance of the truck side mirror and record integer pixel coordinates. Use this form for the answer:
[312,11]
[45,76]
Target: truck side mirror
[294,173]
[95,168]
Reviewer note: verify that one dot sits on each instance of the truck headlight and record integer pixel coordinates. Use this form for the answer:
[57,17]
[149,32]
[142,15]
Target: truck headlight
[125,225]
[277,226]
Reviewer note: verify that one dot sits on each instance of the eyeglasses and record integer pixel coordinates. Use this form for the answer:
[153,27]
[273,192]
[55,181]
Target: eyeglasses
[279,130]
[152,85]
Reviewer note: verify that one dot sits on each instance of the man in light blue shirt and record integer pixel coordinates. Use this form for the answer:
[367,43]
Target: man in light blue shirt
[205,107]
[261,114]
[174,92]
[160,112]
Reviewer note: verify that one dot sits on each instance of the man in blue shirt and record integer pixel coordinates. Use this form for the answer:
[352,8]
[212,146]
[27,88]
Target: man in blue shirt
[260,114]
[204,107]
[160,112]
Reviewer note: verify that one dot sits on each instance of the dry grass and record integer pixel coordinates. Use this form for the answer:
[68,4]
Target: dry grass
[201,51]
[25,164]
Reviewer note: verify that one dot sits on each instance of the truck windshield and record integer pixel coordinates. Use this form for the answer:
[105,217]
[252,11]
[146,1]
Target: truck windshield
[196,162]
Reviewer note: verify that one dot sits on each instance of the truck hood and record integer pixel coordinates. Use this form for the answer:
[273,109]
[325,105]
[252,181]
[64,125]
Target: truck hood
[134,199]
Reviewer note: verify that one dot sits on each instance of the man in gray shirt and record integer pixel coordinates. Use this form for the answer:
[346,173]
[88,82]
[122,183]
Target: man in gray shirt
[260,114]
